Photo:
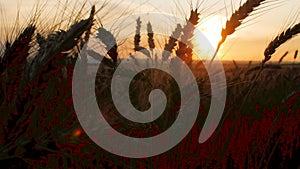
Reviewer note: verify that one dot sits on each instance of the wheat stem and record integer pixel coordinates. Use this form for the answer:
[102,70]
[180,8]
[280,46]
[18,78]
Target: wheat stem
[283,56]
[296,54]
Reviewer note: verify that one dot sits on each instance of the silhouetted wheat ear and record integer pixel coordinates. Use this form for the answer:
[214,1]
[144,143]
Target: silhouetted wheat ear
[56,44]
[184,50]
[249,64]
[88,29]
[110,43]
[279,40]
[235,65]
[296,54]
[150,36]
[236,20]
[174,37]
[283,56]
[137,37]
[172,42]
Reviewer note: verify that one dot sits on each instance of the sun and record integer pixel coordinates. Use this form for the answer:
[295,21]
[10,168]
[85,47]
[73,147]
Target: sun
[210,28]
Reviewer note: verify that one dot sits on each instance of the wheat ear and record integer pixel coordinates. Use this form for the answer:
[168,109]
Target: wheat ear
[172,42]
[18,51]
[56,44]
[236,20]
[150,36]
[279,40]
[110,43]
[184,50]
[137,39]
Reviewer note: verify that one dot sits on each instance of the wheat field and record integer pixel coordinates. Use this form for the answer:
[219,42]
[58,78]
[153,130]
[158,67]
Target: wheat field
[39,127]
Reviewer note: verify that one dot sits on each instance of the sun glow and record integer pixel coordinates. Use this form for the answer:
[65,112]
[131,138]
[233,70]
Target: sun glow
[211,29]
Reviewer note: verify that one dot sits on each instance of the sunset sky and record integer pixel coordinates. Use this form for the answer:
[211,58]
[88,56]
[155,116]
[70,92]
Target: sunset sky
[248,43]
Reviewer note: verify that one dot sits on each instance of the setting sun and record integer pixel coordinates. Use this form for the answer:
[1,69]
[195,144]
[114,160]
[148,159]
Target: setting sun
[211,29]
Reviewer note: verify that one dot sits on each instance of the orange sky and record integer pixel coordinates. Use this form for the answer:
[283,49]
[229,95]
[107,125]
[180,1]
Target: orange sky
[247,43]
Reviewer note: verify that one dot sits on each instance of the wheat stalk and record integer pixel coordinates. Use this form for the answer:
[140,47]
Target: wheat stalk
[296,54]
[236,20]
[283,56]
[279,40]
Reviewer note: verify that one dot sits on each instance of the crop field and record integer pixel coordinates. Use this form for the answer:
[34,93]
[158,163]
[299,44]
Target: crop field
[39,88]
